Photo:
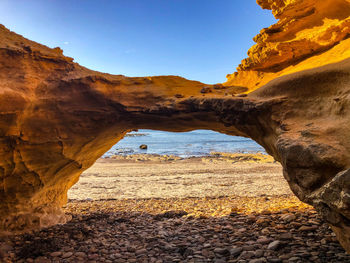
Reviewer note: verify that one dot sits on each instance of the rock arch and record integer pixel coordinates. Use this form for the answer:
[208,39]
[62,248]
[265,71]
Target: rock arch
[57,117]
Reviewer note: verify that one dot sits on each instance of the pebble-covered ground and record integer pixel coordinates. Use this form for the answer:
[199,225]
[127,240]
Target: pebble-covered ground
[224,229]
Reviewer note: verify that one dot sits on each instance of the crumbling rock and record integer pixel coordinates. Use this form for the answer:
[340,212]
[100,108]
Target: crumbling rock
[57,117]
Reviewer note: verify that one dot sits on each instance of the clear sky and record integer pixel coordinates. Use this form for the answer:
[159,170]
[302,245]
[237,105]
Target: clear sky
[197,39]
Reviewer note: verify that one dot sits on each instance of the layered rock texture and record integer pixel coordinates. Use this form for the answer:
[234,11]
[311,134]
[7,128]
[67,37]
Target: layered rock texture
[57,117]
[308,34]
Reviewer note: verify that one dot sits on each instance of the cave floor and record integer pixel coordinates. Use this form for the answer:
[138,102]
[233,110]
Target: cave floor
[249,216]
[202,231]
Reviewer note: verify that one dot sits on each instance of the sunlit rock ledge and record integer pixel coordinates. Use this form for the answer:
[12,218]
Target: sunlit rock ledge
[291,96]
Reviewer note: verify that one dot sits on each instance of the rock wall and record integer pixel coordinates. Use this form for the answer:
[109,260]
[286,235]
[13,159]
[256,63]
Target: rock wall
[308,34]
[57,117]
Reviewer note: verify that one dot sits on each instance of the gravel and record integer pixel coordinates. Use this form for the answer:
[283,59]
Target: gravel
[112,235]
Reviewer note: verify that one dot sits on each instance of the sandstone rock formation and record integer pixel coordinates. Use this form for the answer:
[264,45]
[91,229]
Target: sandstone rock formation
[308,34]
[57,117]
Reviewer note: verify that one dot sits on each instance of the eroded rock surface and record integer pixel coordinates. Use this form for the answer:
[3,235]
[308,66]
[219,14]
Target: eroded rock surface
[57,117]
[308,34]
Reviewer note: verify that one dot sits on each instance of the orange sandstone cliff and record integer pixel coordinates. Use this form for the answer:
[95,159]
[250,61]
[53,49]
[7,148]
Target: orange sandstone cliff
[57,117]
[308,34]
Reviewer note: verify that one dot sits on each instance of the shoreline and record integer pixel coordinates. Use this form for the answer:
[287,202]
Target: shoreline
[213,154]
[198,143]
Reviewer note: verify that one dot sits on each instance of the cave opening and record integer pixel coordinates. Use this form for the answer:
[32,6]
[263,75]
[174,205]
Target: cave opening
[195,164]
[222,205]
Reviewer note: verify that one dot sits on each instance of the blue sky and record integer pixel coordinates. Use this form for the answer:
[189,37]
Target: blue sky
[197,39]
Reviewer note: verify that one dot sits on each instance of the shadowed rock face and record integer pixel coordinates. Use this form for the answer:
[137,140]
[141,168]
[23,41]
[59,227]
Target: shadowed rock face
[57,117]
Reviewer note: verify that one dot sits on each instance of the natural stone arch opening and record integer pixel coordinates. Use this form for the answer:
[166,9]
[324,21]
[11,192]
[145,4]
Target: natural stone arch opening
[196,164]
[46,155]
[114,108]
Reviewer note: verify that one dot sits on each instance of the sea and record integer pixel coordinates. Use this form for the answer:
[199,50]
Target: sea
[183,144]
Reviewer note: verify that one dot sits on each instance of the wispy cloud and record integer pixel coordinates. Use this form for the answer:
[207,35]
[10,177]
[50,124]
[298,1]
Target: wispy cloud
[66,42]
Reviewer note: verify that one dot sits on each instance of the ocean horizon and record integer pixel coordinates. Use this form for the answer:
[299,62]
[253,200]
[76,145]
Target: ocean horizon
[183,144]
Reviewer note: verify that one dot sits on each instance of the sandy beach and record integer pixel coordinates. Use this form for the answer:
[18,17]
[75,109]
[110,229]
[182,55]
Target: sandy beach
[155,176]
